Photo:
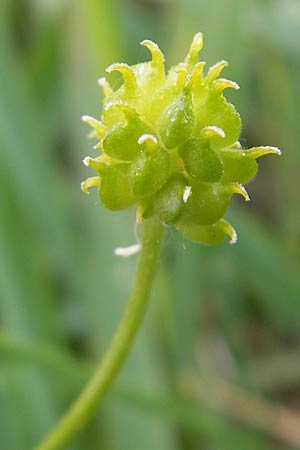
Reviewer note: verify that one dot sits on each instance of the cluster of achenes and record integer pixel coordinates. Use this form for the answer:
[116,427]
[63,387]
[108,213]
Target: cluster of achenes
[169,145]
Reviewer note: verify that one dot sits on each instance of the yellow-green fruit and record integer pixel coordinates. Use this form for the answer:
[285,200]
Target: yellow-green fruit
[121,142]
[207,203]
[208,234]
[177,121]
[169,145]
[169,204]
[115,192]
[240,165]
[200,160]
[149,172]
[218,112]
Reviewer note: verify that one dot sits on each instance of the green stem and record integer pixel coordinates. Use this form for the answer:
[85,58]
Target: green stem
[87,402]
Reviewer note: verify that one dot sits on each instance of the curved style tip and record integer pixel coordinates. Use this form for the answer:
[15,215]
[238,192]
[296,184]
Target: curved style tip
[94,123]
[88,183]
[211,131]
[257,152]
[149,139]
[158,58]
[125,109]
[127,74]
[222,83]
[94,163]
[229,231]
[237,188]
[85,118]
[232,234]
[104,84]
[193,54]
[215,71]
[181,80]
[86,161]
[198,41]
[196,76]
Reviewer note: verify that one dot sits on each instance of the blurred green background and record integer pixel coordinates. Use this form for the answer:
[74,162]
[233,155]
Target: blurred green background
[217,364]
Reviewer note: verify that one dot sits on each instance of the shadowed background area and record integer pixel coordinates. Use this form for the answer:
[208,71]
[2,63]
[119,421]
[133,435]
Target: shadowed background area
[217,363]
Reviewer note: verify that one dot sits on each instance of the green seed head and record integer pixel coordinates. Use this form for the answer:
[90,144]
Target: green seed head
[169,145]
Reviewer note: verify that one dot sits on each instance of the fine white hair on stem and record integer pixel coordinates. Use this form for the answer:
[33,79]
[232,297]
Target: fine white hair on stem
[125,252]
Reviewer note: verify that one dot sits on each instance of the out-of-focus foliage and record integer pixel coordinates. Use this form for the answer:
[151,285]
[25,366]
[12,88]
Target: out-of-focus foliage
[229,313]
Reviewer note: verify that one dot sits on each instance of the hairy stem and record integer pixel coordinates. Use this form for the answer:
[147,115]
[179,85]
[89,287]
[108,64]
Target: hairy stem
[88,401]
